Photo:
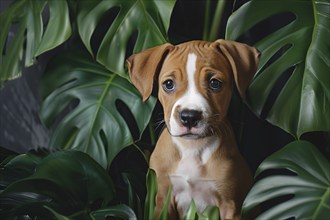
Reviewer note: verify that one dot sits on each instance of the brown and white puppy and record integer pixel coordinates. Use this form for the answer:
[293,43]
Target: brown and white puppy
[197,153]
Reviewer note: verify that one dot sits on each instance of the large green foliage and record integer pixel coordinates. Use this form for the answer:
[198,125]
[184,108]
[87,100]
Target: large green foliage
[150,19]
[303,103]
[30,39]
[309,184]
[95,125]
[81,93]
[47,188]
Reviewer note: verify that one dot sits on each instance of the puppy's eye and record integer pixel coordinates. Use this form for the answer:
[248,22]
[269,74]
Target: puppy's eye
[215,84]
[169,85]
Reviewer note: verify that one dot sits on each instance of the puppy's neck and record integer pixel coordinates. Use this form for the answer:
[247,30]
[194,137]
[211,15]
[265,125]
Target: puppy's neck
[201,148]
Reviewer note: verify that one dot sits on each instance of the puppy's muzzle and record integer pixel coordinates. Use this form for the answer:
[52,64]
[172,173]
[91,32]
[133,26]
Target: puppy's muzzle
[190,118]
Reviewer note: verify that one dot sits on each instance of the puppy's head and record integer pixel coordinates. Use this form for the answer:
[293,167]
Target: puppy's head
[195,81]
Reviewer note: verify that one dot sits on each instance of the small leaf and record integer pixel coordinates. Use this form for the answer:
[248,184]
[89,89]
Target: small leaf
[164,212]
[210,213]
[150,203]
[192,212]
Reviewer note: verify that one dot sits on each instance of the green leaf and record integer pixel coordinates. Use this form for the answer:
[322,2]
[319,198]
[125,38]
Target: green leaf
[35,210]
[303,103]
[164,212]
[18,167]
[310,186]
[210,213]
[150,203]
[95,125]
[25,163]
[150,18]
[25,18]
[59,190]
[134,201]
[121,211]
[192,212]
[56,215]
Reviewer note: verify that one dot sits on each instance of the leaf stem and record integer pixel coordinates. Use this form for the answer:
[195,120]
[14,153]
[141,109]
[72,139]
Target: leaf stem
[206,20]
[217,20]
[323,204]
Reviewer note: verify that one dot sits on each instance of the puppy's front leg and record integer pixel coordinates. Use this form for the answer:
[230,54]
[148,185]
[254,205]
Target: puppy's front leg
[228,210]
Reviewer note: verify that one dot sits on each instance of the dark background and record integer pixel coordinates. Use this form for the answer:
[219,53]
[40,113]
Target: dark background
[22,130]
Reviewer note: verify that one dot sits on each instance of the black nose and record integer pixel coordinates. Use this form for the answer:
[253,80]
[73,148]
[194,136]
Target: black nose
[190,118]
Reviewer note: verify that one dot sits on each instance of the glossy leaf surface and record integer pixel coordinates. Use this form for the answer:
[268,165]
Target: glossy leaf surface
[150,203]
[122,211]
[27,31]
[307,188]
[148,19]
[54,185]
[93,124]
[303,103]
[210,213]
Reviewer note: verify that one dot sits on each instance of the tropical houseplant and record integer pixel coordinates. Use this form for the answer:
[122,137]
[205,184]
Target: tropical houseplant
[90,106]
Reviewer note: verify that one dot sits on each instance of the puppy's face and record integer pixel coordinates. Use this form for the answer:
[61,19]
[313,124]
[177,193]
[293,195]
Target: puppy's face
[195,81]
[195,88]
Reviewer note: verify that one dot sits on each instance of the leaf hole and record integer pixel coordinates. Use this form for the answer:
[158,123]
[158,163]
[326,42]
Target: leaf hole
[276,201]
[275,172]
[278,86]
[104,140]
[267,27]
[130,44]
[127,115]
[67,83]
[45,15]
[276,56]
[72,105]
[103,27]
[12,34]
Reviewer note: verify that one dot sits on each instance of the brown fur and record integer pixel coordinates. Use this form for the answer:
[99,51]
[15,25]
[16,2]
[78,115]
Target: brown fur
[226,60]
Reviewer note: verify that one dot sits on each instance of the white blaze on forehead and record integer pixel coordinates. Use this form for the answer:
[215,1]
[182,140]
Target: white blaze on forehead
[192,99]
[191,70]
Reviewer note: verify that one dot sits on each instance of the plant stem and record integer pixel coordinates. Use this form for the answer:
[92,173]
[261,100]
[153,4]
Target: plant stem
[206,20]
[217,20]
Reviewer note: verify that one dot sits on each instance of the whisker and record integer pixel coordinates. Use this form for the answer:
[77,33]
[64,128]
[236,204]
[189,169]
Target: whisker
[159,123]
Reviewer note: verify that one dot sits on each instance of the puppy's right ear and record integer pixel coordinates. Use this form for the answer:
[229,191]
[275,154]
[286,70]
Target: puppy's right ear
[144,66]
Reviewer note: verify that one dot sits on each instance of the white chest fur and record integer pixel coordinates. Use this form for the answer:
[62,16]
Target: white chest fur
[188,180]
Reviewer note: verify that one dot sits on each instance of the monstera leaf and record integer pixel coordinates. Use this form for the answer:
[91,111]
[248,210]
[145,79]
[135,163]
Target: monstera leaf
[307,189]
[93,123]
[150,19]
[302,45]
[81,190]
[22,31]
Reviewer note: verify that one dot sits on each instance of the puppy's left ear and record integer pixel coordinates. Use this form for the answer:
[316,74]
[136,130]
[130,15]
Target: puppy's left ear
[144,66]
[244,62]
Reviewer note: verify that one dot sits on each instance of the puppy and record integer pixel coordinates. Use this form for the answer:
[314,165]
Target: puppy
[197,154]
